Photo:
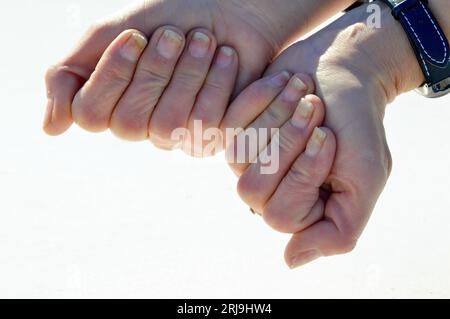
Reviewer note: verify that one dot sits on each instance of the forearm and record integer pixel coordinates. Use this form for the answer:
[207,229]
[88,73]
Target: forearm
[287,20]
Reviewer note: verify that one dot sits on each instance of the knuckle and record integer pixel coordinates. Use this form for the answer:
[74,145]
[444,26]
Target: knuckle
[129,128]
[287,143]
[51,73]
[88,119]
[349,233]
[54,75]
[216,88]
[114,75]
[164,128]
[299,176]
[151,77]
[188,79]
[346,243]
[204,114]
[274,115]
[247,188]
[354,32]
[274,219]
[258,93]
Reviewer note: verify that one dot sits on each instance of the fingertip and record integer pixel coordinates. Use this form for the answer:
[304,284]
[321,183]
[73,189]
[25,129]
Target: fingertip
[308,81]
[203,35]
[62,84]
[167,43]
[130,44]
[302,259]
[56,130]
[226,62]
[321,148]
[54,125]
[330,141]
[319,106]
[48,117]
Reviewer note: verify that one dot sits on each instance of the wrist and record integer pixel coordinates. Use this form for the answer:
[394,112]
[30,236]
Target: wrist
[393,55]
[284,21]
[379,52]
[389,50]
[408,74]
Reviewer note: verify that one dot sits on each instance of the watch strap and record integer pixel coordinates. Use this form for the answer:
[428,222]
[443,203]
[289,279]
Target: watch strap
[429,42]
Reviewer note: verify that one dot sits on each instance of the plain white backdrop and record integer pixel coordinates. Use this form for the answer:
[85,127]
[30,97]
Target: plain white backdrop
[87,215]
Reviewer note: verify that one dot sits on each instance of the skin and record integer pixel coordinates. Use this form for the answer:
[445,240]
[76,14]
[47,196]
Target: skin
[328,210]
[139,98]
[325,201]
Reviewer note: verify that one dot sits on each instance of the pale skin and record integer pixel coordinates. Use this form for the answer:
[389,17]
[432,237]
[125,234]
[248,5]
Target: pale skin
[353,81]
[356,81]
[253,31]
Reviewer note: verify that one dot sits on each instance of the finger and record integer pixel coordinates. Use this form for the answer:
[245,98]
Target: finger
[321,239]
[62,84]
[337,233]
[296,203]
[260,181]
[94,103]
[354,190]
[253,101]
[273,118]
[174,107]
[212,102]
[132,114]
[64,79]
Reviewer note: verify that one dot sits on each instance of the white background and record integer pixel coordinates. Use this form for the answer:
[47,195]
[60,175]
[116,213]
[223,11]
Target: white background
[90,216]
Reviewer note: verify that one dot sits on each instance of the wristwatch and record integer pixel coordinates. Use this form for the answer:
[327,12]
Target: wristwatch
[428,41]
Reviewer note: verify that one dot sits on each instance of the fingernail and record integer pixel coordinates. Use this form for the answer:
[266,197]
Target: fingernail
[295,90]
[316,142]
[225,57]
[169,44]
[303,114]
[48,112]
[199,45]
[304,258]
[134,46]
[280,79]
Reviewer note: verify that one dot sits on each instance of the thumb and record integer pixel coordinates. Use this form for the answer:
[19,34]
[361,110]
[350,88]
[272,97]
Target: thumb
[336,234]
[64,79]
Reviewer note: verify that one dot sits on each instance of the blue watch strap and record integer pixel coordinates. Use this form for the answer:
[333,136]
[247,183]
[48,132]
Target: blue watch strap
[428,40]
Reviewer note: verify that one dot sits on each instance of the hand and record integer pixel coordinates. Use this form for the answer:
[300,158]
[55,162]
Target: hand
[355,80]
[283,170]
[141,99]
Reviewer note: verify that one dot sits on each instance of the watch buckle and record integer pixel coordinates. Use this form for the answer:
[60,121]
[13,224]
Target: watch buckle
[436,90]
